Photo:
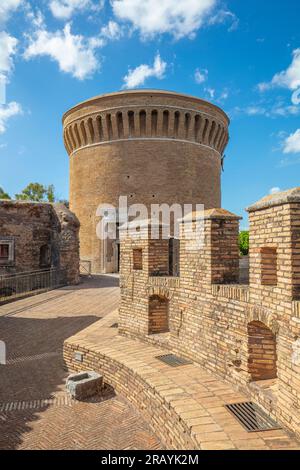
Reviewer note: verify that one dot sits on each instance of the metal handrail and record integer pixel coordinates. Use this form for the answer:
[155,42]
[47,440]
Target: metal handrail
[82,266]
[13,286]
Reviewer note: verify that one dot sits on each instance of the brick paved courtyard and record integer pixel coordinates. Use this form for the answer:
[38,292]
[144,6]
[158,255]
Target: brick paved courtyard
[35,412]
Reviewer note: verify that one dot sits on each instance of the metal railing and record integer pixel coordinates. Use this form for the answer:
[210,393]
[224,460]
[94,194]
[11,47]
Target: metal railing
[13,286]
[86,267]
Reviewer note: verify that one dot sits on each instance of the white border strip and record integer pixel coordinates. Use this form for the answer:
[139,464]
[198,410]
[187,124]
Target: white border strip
[162,139]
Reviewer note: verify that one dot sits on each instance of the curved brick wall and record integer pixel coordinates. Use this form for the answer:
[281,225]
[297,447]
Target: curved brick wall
[151,146]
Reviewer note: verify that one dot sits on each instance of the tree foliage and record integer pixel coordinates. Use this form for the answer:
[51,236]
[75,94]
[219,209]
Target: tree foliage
[244,242]
[37,192]
[3,194]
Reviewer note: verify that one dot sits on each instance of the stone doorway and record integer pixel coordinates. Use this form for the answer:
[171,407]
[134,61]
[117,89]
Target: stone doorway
[262,355]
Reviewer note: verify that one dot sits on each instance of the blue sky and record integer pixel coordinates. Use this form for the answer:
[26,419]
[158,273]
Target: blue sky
[243,56]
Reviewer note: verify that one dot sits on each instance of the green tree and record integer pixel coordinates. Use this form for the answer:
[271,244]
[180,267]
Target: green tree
[3,194]
[244,242]
[37,192]
[65,202]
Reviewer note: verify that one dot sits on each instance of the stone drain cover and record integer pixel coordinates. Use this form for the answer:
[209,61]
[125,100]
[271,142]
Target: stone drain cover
[252,417]
[173,360]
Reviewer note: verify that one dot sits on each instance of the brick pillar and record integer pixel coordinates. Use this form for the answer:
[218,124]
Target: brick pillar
[275,248]
[141,257]
[217,260]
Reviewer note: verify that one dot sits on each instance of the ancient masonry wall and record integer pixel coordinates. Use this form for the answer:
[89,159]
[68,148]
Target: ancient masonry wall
[247,334]
[30,228]
[173,432]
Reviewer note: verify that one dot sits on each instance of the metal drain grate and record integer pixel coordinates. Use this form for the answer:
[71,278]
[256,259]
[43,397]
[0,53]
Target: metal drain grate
[252,417]
[173,361]
[115,325]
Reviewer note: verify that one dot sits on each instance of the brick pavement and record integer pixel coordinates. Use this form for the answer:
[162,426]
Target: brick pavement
[185,405]
[35,412]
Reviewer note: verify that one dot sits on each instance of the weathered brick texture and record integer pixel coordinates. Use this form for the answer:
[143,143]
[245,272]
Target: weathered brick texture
[244,334]
[33,226]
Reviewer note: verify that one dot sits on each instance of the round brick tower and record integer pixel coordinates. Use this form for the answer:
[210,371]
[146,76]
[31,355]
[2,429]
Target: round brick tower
[151,146]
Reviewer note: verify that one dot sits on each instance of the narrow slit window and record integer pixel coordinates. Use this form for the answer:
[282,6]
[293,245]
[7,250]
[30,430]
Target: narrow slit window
[137,259]
[131,123]
[154,118]
[120,125]
[142,123]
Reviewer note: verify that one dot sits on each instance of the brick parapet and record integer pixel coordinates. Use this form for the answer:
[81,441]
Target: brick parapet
[210,319]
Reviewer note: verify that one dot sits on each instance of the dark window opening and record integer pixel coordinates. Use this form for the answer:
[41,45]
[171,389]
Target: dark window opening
[158,315]
[137,259]
[174,247]
[4,251]
[45,256]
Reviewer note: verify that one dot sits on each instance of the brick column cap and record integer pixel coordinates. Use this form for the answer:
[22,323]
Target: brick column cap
[211,214]
[277,199]
[142,223]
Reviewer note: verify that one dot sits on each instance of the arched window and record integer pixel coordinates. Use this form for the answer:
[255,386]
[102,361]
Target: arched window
[165,123]
[158,315]
[120,125]
[154,119]
[176,123]
[142,123]
[131,123]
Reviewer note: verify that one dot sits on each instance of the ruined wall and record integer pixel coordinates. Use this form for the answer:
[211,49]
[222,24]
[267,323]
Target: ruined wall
[40,236]
[242,333]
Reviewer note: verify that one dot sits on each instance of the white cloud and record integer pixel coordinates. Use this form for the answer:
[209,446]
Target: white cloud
[6,112]
[111,31]
[275,190]
[289,78]
[211,92]
[74,54]
[222,16]
[269,109]
[36,19]
[139,75]
[8,45]
[65,9]
[177,17]
[7,7]
[224,95]
[200,76]
[292,143]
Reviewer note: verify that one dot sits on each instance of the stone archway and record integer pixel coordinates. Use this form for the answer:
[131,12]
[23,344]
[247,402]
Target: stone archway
[158,314]
[262,355]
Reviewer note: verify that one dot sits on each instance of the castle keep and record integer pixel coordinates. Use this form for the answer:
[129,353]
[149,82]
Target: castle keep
[151,146]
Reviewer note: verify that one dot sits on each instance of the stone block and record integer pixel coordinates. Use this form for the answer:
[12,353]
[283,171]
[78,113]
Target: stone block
[84,384]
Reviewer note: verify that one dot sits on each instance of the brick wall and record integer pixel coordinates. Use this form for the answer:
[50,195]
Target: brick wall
[213,321]
[33,226]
